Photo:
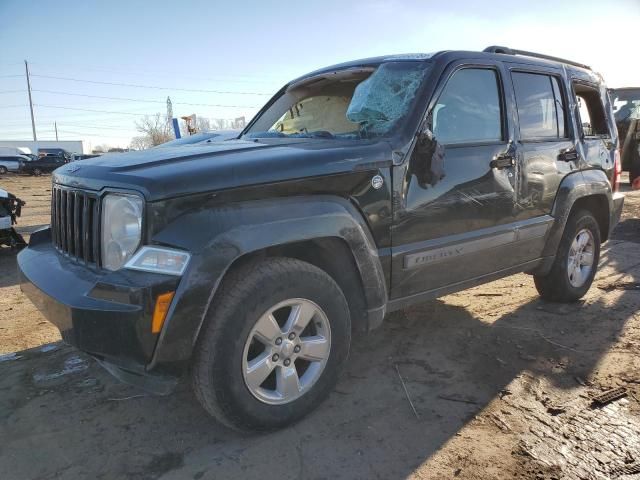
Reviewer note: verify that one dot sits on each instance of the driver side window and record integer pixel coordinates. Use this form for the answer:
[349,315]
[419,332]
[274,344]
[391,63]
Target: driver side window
[469,108]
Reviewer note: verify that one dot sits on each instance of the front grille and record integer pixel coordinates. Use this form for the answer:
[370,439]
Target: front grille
[75,219]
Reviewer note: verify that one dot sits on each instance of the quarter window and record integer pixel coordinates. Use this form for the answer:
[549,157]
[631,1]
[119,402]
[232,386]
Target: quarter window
[469,108]
[592,117]
[540,104]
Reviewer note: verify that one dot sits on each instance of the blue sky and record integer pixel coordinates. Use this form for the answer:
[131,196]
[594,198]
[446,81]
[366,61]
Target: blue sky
[252,48]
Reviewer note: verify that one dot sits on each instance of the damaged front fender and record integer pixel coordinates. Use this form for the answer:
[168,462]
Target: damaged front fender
[221,236]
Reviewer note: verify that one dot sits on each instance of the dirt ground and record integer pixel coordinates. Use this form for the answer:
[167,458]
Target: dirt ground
[490,383]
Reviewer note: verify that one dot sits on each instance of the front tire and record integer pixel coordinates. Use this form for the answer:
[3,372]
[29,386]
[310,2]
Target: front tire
[37,172]
[3,170]
[576,261]
[272,346]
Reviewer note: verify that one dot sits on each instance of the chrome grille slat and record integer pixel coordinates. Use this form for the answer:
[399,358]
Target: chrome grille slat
[77,247]
[75,224]
[58,218]
[85,229]
[69,222]
[54,222]
[63,220]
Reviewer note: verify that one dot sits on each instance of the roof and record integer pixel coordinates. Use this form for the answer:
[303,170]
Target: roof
[494,52]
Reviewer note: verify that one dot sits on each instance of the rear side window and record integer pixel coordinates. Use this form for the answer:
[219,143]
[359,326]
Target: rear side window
[592,117]
[469,108]
[540,104]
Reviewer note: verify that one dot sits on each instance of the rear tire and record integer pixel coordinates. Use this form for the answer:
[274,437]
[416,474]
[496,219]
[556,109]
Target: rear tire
[3,170]
[576,261]
[235,340]
[37,172]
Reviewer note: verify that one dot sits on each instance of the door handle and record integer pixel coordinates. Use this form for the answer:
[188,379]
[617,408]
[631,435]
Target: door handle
[569,155]
[503,160]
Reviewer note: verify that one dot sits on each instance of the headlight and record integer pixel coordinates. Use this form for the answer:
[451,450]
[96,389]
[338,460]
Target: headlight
[159,260]
[121,228]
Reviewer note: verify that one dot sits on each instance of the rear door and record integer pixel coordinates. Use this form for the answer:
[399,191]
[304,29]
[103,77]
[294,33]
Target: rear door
[546,147]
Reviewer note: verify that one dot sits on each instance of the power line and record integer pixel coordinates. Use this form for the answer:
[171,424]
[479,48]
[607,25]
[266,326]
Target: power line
[159,73]
[90,110]
[11,76]
[156,73]
[72,132]
[13,106]
[149,86]
[10,91]
[57,92]
[64,124]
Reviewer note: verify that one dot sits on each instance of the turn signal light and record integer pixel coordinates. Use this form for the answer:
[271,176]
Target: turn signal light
[163,302]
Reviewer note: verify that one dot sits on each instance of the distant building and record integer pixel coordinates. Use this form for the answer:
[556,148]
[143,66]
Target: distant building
[77,147]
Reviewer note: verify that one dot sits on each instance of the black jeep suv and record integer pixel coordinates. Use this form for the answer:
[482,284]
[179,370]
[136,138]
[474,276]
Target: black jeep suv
[357,190]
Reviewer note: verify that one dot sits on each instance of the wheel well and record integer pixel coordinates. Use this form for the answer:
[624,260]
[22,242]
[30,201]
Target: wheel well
[599,207]
[331,254]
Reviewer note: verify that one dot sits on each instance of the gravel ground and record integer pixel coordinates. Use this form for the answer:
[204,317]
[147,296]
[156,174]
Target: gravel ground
[490,383]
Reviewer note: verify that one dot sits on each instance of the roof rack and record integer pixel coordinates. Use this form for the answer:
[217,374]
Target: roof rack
[512,51]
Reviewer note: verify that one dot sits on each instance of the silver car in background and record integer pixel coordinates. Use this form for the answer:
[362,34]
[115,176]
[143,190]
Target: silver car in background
[12,163]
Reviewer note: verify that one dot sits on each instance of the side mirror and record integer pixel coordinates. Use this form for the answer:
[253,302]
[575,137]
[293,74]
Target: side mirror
[429,158]
[425,135]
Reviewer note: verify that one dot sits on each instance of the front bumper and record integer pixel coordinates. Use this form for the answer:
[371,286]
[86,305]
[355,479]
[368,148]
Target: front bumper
[105,314]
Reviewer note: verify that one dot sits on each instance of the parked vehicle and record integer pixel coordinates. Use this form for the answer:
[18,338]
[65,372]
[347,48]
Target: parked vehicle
[14,151]
[55,152]
[626,102]
[12,163]
[10,210]
[44,164]
[358,189]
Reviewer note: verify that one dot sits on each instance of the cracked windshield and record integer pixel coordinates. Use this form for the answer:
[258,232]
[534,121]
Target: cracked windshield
[344,104]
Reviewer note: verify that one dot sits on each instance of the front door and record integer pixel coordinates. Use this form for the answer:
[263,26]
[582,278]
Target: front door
[454,207]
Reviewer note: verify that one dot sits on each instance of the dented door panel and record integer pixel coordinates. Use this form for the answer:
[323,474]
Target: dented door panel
[443,223]
[539,176]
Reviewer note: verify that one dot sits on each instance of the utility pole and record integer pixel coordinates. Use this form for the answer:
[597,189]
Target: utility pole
[55,125]
[33,122]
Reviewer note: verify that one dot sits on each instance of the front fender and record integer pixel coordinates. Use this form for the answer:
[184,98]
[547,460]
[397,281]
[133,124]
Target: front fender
[218,236]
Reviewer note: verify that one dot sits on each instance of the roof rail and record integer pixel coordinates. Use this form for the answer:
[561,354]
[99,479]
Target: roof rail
[512,51]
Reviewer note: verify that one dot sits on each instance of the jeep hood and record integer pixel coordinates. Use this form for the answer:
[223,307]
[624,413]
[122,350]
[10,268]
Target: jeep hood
[175,171]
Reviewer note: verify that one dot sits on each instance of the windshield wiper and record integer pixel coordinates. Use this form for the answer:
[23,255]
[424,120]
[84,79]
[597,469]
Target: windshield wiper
[314,134]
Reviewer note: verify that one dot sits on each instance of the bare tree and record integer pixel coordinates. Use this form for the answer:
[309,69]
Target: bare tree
[139,143]
[156,129]
[202,124]
[219,124]
[104,148]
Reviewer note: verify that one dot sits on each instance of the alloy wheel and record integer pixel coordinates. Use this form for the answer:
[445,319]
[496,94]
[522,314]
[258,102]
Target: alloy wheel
[286,351]
[581,256]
